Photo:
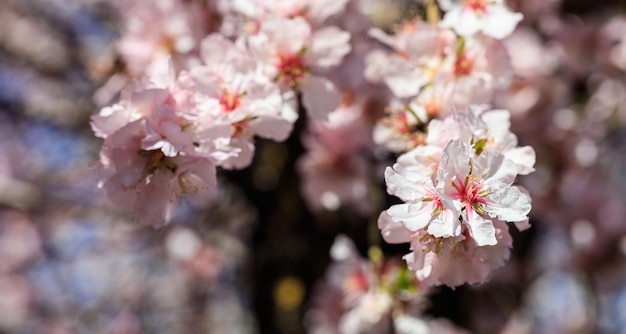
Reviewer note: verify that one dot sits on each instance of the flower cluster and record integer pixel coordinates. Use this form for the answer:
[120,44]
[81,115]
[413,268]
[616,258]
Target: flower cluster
[337,110]
[200,103]
[335,168]
[370,296]
[460,159]
[458,192]
[204,94]
[431,70]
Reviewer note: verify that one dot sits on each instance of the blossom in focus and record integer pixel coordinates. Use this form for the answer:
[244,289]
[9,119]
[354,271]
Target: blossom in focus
[468,17]
[458,192]
[482,185]
[449,261]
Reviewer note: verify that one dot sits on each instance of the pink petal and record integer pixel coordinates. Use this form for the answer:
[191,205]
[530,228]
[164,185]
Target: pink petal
[319,96]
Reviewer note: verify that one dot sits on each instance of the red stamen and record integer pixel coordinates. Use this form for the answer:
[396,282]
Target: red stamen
[230,101]
[477,6]
[291,69]
[463,65]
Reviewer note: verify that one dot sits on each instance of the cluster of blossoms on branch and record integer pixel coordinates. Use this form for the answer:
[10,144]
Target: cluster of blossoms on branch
[458,194]
[197,102]
[174,126]
[460,159]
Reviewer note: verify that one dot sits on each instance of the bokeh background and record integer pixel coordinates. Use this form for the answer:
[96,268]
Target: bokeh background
[250,259]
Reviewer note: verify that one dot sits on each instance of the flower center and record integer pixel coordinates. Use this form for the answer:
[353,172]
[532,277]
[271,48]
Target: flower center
[470,192]
[230,101]
[404,128]
[463,65]
[433,108]
[157,159]
[291,70]
[477,6]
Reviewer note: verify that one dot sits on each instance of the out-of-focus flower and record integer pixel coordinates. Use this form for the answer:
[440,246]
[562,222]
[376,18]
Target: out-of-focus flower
[335,168]
[153,152]
[417,54]
[291,52]
[314,11]
[468,17]
[230,90]
[144,44]
[358,297]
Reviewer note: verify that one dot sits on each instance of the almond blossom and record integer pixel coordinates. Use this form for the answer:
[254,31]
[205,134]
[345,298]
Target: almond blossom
[417,51]
[153,153]
[314,11]
[165,107]
[468,17]
[423,206]
[457,189]
[143,43]
[230,89]
[478,67]
[148,182]
[291,52]
[448,261]
[481,185]
[335,168]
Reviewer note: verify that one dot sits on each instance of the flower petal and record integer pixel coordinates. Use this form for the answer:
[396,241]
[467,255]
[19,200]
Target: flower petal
[481,229]
[392,232]
[319,96]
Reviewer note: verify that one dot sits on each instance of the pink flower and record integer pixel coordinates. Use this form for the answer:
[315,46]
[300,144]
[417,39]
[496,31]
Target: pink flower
[149,182]
[458,193]
[449,261]
[475,72]
[458,261]
[468,17]
[482,187]
[157,150]
[314,11]
[335,169]
[423,207]
[144,44]
[230,89]
[166,106]
[417,54]
[291,53]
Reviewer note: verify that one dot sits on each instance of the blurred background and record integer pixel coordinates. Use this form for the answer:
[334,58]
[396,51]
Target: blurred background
[249,261]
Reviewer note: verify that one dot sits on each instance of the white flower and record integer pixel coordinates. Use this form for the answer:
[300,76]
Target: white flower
[482,186]
[423,206]
[468,17]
